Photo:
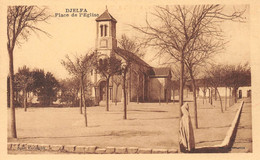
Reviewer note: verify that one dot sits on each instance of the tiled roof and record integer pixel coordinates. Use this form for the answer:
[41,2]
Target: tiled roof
[160,71]
[134,58]
[130,56]
[106,16]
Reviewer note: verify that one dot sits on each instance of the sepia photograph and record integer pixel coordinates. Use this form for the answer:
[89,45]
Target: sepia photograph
[107,78]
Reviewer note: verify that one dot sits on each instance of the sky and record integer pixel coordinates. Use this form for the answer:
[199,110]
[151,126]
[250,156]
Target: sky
[76,35]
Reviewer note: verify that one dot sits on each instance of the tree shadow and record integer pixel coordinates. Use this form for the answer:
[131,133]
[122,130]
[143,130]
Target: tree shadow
[137,110]
[61,137]
[214,127]
[211,150]
[152,118]
[219,140]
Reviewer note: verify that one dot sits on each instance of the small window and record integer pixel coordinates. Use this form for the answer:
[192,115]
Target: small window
[101,30]
[105,30]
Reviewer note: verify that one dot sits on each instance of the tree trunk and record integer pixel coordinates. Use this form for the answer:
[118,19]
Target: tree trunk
[127,97]
[194,99]
[181,94]
[24,100]
[137,90]
[230,104]
[12,107]
[173,95]
[124,92]
[211,97]
[116,95]
[216,98]
[143,86]
[166,96]
[209,94]
[221,107]
[204,95]
[108,93]
[181,85]
[235,94]
[160,95]
[130,86]
[8,91]
[225,98]
[84,101]
[80,99]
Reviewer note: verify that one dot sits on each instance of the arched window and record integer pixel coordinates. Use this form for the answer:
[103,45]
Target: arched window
[100,61]
[101,30]
[105,30]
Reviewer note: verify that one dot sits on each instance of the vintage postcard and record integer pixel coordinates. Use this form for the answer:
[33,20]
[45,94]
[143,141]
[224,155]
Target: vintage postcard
[132,79]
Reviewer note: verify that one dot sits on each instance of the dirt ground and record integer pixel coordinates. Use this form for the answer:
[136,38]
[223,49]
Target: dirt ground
[148,125]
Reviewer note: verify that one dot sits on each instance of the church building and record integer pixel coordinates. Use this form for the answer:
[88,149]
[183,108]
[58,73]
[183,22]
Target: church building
[144,83]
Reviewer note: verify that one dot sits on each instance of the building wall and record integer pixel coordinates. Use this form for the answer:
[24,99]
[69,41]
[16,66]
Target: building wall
[136,84]
[156,90]
[244,91]
[117,88]
[159,89]
[222,91]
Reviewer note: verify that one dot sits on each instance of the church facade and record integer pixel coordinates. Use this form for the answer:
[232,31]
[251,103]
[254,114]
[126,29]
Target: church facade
[143,83]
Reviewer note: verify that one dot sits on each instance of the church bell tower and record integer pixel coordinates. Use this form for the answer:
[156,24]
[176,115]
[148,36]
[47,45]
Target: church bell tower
[106,34]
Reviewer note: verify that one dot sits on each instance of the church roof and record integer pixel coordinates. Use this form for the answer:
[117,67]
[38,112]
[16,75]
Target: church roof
[165,71]
[130,56]
[152,72]
[106,16]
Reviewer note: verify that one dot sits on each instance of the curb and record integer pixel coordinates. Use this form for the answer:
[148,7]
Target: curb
[227,142]
[86,149]
[228,139]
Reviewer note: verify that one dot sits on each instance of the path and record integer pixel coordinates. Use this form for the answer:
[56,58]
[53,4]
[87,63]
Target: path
[243,139]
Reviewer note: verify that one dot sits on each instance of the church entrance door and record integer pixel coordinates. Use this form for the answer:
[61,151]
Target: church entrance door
[102,92]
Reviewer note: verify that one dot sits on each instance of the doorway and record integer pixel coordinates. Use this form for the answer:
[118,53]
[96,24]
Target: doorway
[102,87]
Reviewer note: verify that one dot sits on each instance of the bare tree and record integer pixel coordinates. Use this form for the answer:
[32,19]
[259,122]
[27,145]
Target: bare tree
[125,68]
[109,67]
[133,51]
[21,22]
[184,31]
[80,68]
[215,79]
[132,44]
